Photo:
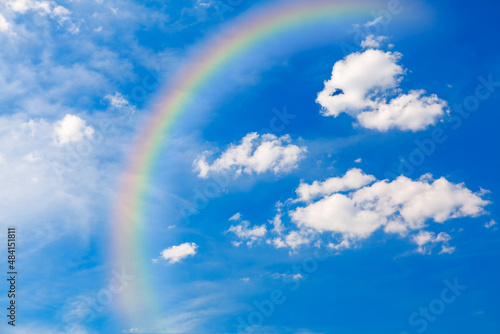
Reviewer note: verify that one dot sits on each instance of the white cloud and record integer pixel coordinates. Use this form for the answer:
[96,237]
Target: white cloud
[372,41]
[178,253]
[255,154]
[277,223]
[358,160]
[119,102]
[236,216]
[490,223]
[42,7]
[426,240]
[63,195]
[352,207]
[400,206]
[246,233]
[58,13]
[344,244]
[360,86]
[413,111]
[374,22]
[245,279]
[338,213]
[293,240]
[71,129]
[353,179]
[446,249]
[287,277]
[4,25]
[421,200]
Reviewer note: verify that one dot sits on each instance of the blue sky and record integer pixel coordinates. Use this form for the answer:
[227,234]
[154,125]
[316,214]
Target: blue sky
[356,191]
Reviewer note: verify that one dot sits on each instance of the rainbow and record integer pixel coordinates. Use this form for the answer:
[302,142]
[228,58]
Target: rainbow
[233,41]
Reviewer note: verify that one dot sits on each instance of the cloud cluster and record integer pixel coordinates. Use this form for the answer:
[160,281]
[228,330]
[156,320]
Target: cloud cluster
[426,240]
[255,154]
[49,8]
[365,85]
[352,207]
[244,232]
[399,206]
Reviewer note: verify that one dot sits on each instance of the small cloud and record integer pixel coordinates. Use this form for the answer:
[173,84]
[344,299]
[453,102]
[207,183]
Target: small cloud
[98,29]
[119,102]
[236,216]
[4,25]
[171,226]
[358,160]
[255,154]
[449,86]
[245,279]
[490,224]
[424,238]
[287,277]
[374,22]
[246,233]
[71,129]
[344,244]
[373,42]
[178,253]
[447,250]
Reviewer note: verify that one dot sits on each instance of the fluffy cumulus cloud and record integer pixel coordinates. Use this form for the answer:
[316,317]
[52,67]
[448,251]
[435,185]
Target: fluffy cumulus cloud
[255,154]
[178,253]
[402,202]
[365,86]
[400,206]
[352,207]
[71,129]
